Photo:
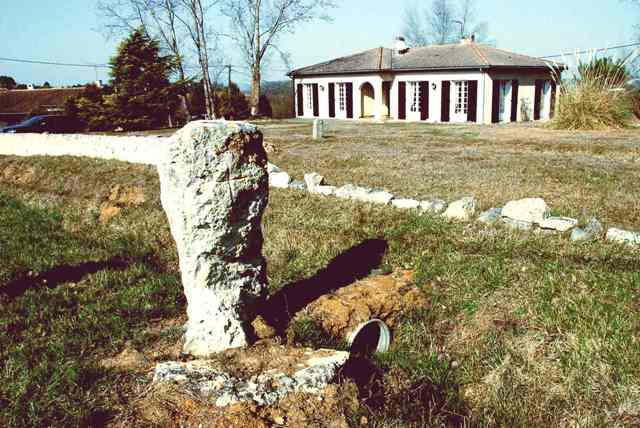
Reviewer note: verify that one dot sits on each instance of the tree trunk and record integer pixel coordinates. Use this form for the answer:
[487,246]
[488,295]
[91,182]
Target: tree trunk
[255,90]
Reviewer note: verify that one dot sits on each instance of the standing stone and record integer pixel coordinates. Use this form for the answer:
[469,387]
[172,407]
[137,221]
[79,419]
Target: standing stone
[214,189]
[318,129]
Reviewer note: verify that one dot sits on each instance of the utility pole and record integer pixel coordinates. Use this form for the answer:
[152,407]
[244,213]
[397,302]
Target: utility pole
[229,82]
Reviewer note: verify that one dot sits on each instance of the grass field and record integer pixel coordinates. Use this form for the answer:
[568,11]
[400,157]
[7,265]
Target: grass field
[521,329]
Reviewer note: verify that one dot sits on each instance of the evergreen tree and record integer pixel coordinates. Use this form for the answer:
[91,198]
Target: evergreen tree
[143,96]
[232,104]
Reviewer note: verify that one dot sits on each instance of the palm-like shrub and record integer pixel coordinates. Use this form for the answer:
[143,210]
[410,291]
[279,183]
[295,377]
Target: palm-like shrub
[595,97]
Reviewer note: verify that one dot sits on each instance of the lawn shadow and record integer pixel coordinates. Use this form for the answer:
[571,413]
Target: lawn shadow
[61,274]
[354,264]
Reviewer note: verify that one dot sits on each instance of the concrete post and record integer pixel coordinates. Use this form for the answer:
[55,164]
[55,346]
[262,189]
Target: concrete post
[318,129]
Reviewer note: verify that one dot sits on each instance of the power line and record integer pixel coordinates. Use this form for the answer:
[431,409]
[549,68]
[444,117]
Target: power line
[591,50]
[61,64]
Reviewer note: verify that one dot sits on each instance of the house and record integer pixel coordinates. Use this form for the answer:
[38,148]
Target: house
[462,82]
[18,104]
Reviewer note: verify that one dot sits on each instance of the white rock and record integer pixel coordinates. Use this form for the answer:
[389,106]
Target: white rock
[517,224]
[324,190]
[490,216]
[214,189]
[436,206]
[406,204]
[561,224]
[530,210]
[313,180]
[271,168]
[267,388]
[279,179]
[623,236]
[462,209]
[379,197]
[349,191]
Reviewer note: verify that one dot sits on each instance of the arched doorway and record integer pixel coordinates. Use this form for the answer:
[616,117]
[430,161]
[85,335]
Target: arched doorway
[368,104]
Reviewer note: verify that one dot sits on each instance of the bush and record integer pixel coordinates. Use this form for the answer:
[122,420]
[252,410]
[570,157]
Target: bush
[595,97]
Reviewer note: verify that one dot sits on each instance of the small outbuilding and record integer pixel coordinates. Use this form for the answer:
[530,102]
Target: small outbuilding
[463,82]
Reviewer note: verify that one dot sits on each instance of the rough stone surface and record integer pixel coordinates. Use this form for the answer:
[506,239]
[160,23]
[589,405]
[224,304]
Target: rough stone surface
[593,230]
[279,179]
[214,189]
[517,224]
[298,185]
[436,206]
[491,216]
[560,224]
[530,210]
[308,372]
[143,150]
[462,209]
[623,236]
[313,180]
[363,194]
[405,203]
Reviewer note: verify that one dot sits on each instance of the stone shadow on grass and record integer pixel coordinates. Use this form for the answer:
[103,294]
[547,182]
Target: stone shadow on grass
[61,274]
[352,265]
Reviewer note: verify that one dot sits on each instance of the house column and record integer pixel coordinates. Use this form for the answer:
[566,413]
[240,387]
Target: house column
[381,110]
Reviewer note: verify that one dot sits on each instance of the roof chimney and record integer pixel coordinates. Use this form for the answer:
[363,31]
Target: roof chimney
[468,40]
[400,46]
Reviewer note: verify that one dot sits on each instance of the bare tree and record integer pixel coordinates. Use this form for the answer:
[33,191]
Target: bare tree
[469,25]
[413,27]
[437,24]
[196,25]
[441,22]
[258,24]
[157,18]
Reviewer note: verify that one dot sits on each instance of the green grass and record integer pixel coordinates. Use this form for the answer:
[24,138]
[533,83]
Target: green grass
[52,335]
[520,329]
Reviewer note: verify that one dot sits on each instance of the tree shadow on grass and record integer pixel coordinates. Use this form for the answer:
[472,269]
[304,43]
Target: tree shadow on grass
[61,274]
[352,265]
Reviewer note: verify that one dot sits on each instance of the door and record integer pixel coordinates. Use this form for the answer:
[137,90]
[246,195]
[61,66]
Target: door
[460,97]
[415,98]
[505,101]
[545,102]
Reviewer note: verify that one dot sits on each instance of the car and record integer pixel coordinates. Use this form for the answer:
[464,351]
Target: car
[48,123]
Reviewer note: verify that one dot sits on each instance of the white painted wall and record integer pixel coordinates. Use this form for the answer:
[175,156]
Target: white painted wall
[376,80]
[143,150]
[526,91]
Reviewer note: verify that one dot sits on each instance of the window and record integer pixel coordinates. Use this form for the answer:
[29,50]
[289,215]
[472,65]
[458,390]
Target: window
[309,98]
[342,97]
[461,95]
[414,97]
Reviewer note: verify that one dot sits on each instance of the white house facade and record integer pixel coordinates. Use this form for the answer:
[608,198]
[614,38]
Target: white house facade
[465,82]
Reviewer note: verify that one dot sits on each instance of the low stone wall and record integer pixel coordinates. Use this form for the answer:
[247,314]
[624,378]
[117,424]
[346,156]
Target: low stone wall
[143,150]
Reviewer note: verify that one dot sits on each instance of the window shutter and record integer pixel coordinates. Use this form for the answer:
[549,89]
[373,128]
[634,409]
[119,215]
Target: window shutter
[537,100]
[349,95]
[446,101]
[402,100]
[552,110]
[300,100]
[514,100]
[495,102]
[424,100]
[473,101]
[316,109]
[332,100]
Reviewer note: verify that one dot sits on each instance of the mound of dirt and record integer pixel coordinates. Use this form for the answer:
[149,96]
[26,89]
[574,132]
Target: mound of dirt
[119,198]
[386,297]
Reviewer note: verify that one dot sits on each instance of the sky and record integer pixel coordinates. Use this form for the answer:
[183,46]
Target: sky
[69,31]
